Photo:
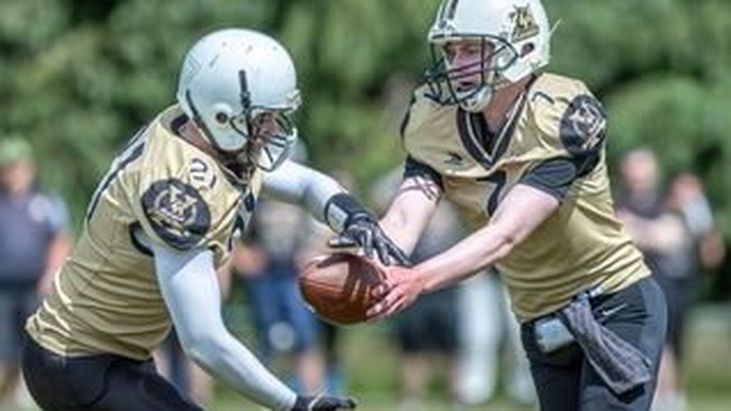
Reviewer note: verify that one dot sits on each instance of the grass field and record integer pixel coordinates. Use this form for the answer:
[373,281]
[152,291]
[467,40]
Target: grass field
[371,366]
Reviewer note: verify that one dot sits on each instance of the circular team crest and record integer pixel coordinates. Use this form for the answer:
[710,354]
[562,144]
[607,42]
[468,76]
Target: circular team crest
[177,212]
[583,125]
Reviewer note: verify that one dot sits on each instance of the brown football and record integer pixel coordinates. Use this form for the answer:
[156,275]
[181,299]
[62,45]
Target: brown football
[338,286]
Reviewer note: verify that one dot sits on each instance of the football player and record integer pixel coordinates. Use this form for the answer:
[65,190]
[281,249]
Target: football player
[521,152]
[162,219]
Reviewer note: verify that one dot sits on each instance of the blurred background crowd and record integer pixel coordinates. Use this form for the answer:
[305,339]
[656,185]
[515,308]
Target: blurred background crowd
[77,77]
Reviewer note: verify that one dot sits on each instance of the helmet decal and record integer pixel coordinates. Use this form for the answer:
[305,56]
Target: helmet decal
[524,24]
[245,96]
[514,39]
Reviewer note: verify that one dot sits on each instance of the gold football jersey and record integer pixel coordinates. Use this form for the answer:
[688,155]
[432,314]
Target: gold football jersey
[106,298]
[553,139]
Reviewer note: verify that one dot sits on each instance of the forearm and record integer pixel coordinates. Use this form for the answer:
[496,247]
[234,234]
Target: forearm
[664,233]
[57,252]
[190,289]
[55,258]
[226,358]
[473,254]
[396,225]
[300,185]
[410,211]
[522,210]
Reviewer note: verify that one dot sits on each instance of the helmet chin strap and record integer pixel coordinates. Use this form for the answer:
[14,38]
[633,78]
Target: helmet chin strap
[238,163]
[199,121]
[480,99]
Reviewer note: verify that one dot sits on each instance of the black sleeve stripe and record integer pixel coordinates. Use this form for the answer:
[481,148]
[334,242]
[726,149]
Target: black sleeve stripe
[136,242]
[586,163]
[553,176]
[415,168]
[407,116]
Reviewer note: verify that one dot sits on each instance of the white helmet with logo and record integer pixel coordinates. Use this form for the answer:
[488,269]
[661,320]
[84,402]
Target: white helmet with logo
[240,86]
[516,30]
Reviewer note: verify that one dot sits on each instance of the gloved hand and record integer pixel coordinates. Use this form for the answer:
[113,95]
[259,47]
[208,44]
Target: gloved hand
[364,232]
[323,403]
[358,228]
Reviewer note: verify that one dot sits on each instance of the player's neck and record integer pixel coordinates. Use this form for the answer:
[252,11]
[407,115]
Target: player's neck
[194,136]
[191,133]
[502,102]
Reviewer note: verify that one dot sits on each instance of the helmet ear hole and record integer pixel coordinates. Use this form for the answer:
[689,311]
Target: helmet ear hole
[221,117]
[527,49]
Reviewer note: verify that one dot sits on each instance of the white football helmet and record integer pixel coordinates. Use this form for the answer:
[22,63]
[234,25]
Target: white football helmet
[517,33]
[240,87]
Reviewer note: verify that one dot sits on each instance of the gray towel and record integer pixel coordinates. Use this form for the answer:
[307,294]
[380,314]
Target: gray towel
[620,365]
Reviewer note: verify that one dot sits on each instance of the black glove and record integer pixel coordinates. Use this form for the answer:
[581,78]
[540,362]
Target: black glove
[358,228]
[368,235]
[323,403]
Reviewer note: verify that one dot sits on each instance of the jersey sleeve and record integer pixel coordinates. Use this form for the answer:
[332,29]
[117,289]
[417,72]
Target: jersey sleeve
[571,130]
[175,213]
[415,168]
[189,208]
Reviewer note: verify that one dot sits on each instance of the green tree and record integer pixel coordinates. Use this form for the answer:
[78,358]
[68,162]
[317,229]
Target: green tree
[79,77]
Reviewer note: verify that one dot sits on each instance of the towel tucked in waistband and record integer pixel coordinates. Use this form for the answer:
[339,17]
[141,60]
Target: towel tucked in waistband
[620,365]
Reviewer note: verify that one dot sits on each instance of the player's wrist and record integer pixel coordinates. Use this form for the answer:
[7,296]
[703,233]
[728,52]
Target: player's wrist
[427,277]
[323,403]
[342,211]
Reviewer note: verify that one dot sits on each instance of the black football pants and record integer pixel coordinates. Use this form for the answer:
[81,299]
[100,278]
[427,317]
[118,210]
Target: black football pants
[564,379]
[97,383]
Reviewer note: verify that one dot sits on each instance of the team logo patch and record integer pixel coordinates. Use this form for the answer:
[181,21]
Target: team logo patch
[583,125]
[177,212]
[524,24]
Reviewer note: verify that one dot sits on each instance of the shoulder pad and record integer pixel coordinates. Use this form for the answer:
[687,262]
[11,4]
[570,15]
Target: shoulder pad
[566,114]
[430,136]
[176,212]
[184,199]
[422,111]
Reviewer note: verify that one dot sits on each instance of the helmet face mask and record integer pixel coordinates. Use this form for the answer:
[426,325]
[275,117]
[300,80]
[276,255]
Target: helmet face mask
[471,84]
[239,87]
[270,135]
[513,36]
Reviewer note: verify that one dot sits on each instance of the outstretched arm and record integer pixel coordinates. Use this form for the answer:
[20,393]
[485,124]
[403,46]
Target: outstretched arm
[330,203]
[410,211]
[190,289]
[522,210]
[300,185]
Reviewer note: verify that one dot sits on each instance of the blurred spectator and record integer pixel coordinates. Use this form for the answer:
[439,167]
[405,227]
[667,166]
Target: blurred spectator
[639,192]
[34,242]
[268,264]
[676,233]
[485,326]
[687,197]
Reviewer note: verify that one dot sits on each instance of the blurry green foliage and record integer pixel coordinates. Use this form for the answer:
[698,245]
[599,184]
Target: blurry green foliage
[79,76]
